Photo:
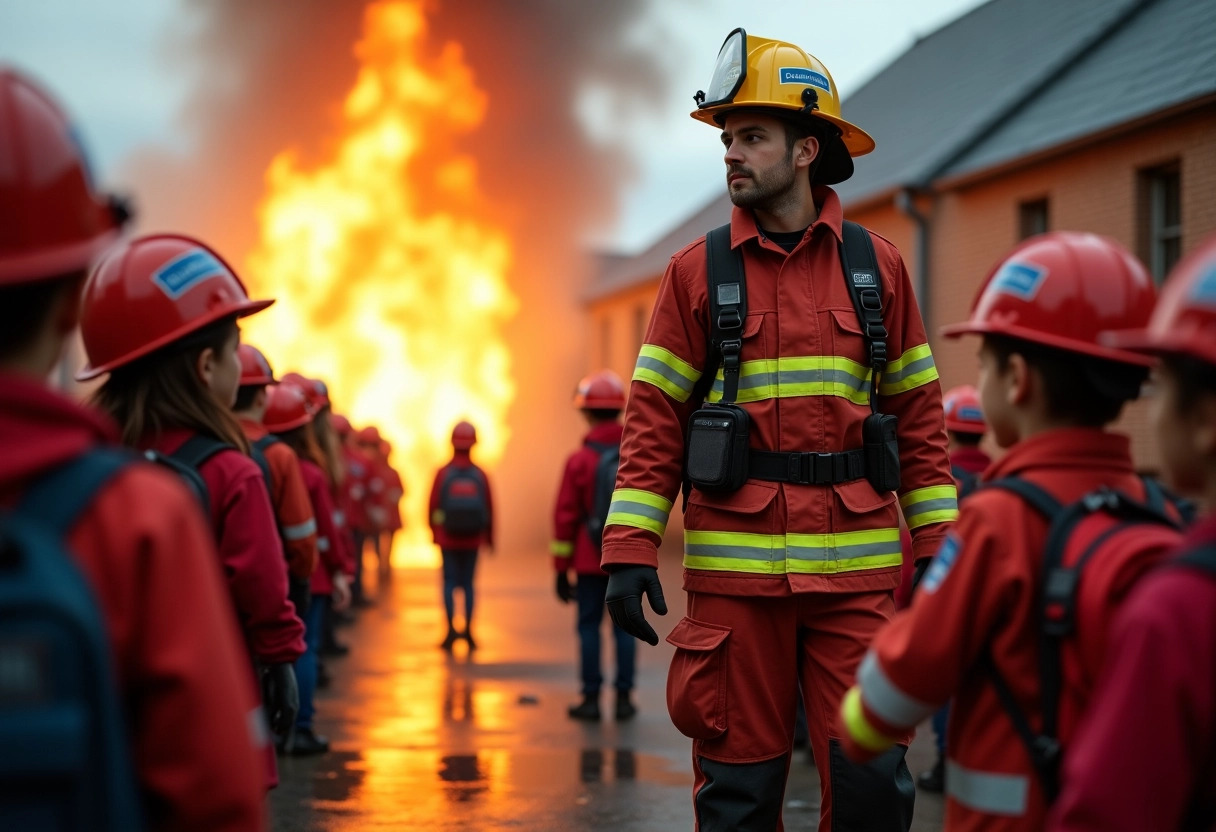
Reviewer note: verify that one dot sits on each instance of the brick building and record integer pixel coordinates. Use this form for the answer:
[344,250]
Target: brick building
[1019,117]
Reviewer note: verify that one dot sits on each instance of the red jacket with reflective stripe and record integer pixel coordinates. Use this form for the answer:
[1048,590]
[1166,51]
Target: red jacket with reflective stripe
[572,546]
[243,524]
[980,598]
[289,497]
[460,459]
[147,553]
[1148,743]
[331,544]
[802,336]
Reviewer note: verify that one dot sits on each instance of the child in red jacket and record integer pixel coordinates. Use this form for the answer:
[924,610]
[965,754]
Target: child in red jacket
[1145,758]
[577,527]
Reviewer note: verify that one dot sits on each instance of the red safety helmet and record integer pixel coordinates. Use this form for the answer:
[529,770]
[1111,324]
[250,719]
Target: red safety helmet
[287,408]
[341,424]
[1062,289]
[148,292]
[255,369]
[1184,322]
[963,411]
[52,222]
[464,436]
[369,436]
[600,391]
[316,390]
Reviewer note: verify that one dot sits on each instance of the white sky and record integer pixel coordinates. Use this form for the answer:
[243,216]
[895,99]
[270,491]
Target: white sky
[106,61]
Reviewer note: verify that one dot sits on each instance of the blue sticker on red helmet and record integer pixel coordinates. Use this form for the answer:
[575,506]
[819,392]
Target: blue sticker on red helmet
[970,413]
[186,271]
[802,75]
[942,563]
[1022,280]
[1203,293]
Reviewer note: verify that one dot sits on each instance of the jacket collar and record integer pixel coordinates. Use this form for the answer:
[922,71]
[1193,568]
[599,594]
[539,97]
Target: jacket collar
[1063,449]
[743,220]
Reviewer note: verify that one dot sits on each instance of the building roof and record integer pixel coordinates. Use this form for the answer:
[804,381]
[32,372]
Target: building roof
[1009,79]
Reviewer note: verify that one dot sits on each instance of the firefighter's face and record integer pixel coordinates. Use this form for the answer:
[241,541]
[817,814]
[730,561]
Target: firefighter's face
[762,167]
[1181,433]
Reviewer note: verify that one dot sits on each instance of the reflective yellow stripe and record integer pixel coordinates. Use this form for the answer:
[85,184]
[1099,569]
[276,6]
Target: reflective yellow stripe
[797,376]
[809,554]
[640,509]
[935,504]
[912,369]
[667,371]
[561,548]
[859,728]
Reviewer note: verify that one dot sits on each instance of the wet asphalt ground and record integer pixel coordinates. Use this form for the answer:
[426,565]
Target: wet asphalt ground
[424,739]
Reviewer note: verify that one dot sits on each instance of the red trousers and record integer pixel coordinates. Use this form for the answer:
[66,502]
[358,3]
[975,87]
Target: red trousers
[733,688]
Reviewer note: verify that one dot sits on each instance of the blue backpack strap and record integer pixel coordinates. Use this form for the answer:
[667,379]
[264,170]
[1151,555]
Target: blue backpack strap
[1040,500]
[1202,559]
[58,499]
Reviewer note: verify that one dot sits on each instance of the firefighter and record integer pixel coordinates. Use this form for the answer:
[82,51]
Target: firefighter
[965,429]
[1145,758]
[394,491]
[159,315]
[790,573]
[289,416]
[297,525]
[375,513]
[578,527]
[1049,388]
[141,542]
[462,522]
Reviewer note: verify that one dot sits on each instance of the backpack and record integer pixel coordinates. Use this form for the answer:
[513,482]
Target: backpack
[258,452]
[462,499]
[967,481]
[602,486]
[64,757]
[186,461]
[1102,524]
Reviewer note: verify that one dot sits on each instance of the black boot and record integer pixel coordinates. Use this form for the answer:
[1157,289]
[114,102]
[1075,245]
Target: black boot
[933,780]
[468,637]
[306,743]
[588,709]
[625,709]
[450,640]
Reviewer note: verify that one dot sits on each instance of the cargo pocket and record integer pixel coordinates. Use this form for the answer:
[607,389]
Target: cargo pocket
[696,685]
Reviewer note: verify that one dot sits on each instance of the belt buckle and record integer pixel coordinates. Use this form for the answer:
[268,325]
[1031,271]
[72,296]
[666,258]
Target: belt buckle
[823,471]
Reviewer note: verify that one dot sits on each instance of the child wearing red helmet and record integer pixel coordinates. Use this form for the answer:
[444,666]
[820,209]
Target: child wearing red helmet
[1049,387]
[159,315]
[140,542]
[1145,757]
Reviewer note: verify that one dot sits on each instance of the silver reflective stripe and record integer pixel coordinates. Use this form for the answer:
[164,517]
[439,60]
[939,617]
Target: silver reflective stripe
[645,362]
[854,550]
[640,509]
[790,378]
[300,530]
[322,544]
[889,703]
[717,550]
[904,372]
[996,794]
[924,506]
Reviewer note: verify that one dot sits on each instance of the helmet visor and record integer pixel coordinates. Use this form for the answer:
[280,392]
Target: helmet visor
[729,70]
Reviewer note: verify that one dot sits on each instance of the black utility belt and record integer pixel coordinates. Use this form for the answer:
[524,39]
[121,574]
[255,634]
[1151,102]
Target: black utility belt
[802,468]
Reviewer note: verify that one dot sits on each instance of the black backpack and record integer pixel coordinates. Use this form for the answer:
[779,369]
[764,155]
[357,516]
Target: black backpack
[463,501]
[65,763]
[1103,523]
[603,485]
[187,459]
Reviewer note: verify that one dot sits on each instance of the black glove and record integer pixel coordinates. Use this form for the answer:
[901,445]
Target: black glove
[280,697]
[918,571]
[624,598]
[564,591]
[299,593]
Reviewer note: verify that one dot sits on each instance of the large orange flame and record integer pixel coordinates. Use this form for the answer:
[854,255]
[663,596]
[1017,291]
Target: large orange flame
[390,286]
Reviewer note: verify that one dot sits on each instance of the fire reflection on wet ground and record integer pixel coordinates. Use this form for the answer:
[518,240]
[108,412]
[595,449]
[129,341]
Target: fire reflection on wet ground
[481,740]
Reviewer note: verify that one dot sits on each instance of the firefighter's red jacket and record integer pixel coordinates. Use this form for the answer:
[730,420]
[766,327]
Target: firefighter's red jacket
[572,546]
[393,492]
[148,555]
[444,540]
[331,543]
[289,497]
[805,384]
[251,552]
[978,599]
[353,496]
[1146,753]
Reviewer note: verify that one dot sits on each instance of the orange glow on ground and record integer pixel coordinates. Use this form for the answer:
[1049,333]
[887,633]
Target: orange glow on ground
[390,280]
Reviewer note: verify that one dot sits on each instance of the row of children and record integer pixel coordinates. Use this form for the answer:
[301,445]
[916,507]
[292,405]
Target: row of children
[163,602]
[1069,617]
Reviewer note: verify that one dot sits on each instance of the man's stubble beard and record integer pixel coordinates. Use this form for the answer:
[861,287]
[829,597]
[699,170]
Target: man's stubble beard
[771,190]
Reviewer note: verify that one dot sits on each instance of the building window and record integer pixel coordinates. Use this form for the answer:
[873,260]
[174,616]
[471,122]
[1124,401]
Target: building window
[641,319]
[1161,218]
[1032,218]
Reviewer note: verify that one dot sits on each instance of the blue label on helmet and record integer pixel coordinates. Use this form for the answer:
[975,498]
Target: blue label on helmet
[942,563]
[1203,293]
[970,413]
[186,271]
[1022,280]
[801,75]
